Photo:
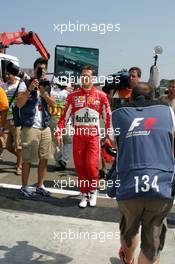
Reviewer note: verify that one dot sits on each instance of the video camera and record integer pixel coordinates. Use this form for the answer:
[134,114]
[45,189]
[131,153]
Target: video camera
[120,81]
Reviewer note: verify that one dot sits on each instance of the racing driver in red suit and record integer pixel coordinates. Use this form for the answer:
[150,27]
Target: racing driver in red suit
[86,106]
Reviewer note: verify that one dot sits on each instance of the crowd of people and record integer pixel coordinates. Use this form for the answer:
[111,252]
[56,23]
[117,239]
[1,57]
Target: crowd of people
[35,116]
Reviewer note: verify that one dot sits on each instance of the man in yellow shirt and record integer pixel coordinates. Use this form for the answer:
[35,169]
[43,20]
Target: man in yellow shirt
[4,105]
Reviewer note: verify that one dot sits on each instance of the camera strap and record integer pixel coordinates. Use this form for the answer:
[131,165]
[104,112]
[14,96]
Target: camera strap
[14,95]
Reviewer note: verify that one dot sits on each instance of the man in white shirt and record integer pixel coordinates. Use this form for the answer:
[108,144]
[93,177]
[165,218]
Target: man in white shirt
[33,102]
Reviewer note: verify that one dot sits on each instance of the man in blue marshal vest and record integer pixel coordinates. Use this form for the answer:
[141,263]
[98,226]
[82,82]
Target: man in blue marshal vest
[145,170]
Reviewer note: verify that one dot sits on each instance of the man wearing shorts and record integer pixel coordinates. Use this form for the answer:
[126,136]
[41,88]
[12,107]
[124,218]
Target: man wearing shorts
[145,169]
[36,140]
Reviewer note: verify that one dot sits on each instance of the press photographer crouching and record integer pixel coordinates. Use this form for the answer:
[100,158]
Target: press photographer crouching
[33,101]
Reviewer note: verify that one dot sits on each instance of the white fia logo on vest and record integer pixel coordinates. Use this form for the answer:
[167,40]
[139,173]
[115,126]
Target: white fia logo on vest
[135,123]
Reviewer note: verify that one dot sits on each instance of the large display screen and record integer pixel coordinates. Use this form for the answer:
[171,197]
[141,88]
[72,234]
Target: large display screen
[69,60]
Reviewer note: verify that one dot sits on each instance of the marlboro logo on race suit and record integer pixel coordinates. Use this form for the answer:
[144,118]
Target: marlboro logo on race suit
[86,116]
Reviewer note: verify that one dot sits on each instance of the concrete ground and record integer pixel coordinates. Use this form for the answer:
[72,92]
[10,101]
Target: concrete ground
[54,230]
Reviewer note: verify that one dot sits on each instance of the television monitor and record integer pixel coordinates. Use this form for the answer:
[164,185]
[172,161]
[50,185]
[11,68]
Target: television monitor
[69,60]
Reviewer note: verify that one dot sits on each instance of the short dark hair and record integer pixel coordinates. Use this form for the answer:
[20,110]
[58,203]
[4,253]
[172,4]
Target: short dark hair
[142,89]
[88,67]
[40,61]
[172,81]
[137,69]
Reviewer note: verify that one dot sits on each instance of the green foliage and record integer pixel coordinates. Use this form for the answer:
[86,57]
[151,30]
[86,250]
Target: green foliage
[164,83]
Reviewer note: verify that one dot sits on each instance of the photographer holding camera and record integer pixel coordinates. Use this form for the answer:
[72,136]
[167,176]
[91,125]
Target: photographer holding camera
[33,101]
[118,92]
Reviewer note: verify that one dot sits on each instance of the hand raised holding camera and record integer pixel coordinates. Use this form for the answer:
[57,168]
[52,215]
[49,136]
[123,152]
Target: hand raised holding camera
[34,85]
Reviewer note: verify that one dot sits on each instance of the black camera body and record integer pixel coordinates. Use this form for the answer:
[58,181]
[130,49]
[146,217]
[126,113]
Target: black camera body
[43,82]
[120,81]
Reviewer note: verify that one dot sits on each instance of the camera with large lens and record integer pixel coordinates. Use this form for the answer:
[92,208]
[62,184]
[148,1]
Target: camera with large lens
[14,70]
[42,81]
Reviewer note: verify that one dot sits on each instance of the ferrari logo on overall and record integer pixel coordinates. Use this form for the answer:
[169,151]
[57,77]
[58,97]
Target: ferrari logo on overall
[90,100]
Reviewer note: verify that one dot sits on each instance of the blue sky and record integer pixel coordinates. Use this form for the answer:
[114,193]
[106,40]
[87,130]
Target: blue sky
[143,25]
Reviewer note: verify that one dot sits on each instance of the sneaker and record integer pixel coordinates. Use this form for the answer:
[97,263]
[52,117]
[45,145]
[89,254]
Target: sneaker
[122,257]
[27,192]
[93,198]
[102,174]
[18,171]
[42,191]
[58,168]
[62,164]
[84,200]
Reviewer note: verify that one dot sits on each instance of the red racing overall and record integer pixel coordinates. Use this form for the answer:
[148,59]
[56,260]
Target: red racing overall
[86,107]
